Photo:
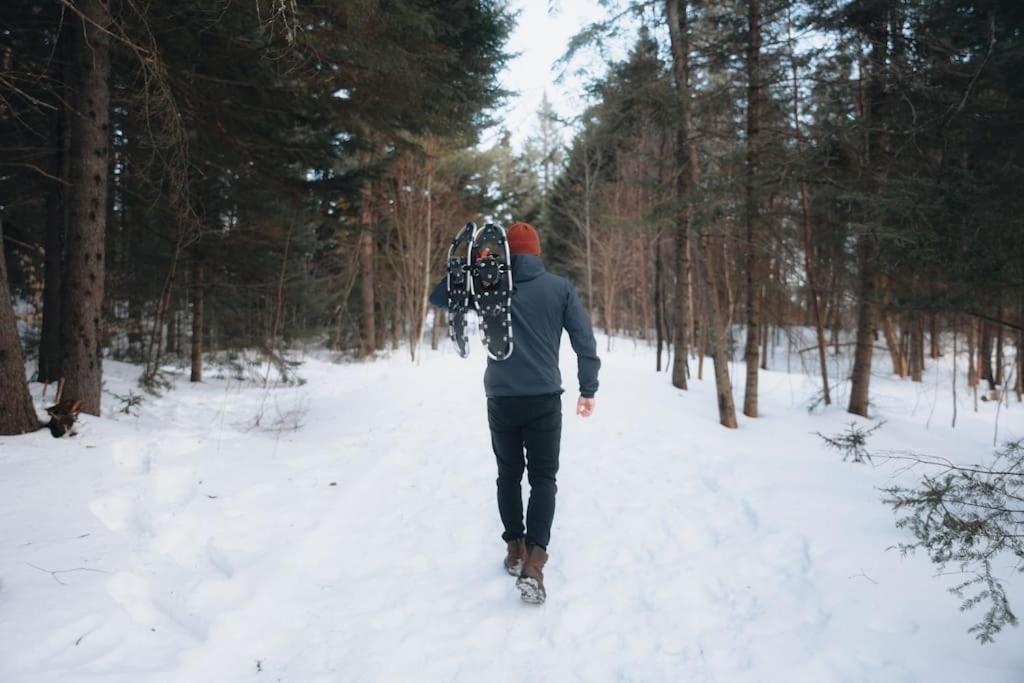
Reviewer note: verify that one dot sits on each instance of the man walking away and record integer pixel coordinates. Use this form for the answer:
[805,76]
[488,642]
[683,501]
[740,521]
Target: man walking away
[524,405]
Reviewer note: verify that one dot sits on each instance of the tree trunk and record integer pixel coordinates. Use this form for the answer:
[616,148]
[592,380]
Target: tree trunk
[935,335]
[866,243]
[703,344]
[369,325]
[899,366]
[658,331]
[1019,387]
[49,369]
[819,322]
[765,329]
[999,350]
[198,295]
[396,318]
[81,327]
[837,313]
[813,292]
[861,377]
[17,414]
[588,190]
[172,330]
[985,355]
[972,367]
[916,348]
[676,13]
[717,337]
[438,328]
[751,356]
[277,318]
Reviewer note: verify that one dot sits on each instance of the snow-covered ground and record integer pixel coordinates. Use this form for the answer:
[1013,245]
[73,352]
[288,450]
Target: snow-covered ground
[187,544]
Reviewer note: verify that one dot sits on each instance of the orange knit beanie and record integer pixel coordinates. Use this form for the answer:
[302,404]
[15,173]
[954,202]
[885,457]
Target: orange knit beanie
[523,239]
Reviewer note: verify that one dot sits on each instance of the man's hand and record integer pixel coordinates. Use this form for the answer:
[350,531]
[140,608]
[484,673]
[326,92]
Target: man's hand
[584,407]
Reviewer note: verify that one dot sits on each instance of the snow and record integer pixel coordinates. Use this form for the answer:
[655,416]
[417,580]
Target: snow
[187,544]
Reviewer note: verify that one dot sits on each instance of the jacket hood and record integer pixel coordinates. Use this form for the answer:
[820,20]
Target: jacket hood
[526,267]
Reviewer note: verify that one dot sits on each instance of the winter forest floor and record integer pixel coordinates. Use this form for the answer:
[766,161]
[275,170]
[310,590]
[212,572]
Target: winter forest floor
[187,544]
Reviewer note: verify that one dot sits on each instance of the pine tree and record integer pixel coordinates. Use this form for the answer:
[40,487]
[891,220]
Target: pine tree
[82,320]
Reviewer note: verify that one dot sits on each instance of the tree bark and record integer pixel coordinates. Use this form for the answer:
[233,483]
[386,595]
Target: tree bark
[17,414]
[812,286]
[676,14]
[173,333]
[438,328]
[366,265]
[90,140]
[813,289]
[861,377]
[276,319]
[396,318]
[935,335]
[416,333]
[985,355]
[49,369]
[751,355]
[198,295]
[717,337]
[999,350]
[1019,385]
[972,368]
[866,243]
[899,365]
[658,295]
[588,198]
[916,348]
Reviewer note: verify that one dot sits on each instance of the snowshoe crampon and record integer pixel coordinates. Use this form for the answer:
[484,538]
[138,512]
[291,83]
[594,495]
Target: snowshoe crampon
[491,271]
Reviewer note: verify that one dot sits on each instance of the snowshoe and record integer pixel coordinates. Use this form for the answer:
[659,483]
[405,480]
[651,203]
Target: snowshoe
[491,271]
[460,291]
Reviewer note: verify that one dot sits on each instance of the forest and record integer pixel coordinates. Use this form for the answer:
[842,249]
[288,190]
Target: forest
[749,191]
[203,177]
[247,175]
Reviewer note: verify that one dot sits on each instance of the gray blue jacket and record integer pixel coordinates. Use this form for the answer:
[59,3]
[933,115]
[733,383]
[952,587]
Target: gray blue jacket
[543,304]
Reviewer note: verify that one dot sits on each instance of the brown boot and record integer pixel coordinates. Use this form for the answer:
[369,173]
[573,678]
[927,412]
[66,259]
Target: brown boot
[515,557]
[531,580]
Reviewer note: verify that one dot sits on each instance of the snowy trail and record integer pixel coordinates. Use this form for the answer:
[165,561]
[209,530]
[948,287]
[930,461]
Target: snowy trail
[365,545]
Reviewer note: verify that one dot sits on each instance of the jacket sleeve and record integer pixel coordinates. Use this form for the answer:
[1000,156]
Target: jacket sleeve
[439,295]
[581,336]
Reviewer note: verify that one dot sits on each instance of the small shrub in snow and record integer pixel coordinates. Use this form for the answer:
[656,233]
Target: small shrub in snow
[155,381]
[968,515]
[971,516]
[129,403]
[853,442]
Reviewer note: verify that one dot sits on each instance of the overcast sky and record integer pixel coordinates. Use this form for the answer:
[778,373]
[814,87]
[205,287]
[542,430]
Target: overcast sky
[541,37]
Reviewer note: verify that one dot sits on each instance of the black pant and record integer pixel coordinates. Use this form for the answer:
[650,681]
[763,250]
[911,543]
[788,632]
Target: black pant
[533,422]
